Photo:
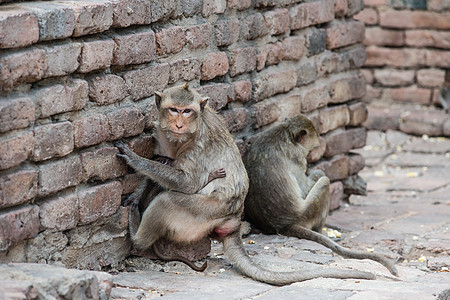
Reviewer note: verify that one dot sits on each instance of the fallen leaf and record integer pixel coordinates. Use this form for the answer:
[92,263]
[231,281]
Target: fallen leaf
[370,249]
[422,259]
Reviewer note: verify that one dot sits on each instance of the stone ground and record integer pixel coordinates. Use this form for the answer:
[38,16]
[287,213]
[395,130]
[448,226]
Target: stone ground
[406,216]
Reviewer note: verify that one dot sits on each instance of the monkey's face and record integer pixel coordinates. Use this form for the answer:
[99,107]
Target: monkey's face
[179,122]
[302,132]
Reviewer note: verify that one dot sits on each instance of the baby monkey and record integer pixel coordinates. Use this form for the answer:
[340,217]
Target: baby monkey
[281,198]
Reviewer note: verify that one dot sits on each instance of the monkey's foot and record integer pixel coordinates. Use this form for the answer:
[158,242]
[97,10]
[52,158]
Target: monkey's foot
[179,258]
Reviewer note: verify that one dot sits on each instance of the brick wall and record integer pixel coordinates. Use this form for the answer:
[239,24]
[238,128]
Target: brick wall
[408,59]
[77,75]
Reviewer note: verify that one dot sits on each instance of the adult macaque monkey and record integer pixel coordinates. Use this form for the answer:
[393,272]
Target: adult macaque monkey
[281,198]
[194,136]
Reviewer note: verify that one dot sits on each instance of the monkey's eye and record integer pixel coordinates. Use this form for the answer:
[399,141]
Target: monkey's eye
[187,111]
[173,110]
[301,135]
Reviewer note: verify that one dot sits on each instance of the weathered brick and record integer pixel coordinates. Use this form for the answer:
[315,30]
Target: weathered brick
[378,56]
[347,88]
[373,93]
[427,38]
[358,113]
[272,81]
[438,5]
[269,54]
[236,119]
[368,75]
[56,21]
[368,16]
[213,7]
[102,164]
[218,94]
[23,66]
[306,72]
[382,118]
[269,3]
[18,188]
[383,37]
[316,41]
[375,2]
[336,168]
[421,122]
[311,13]
[60,213]
[15,150]
[446,128]
[52,140]
[315,97]
[59,98]
[340,34]
[413,4]
[336,195]
[151,114]
[163,10]
[354,7]
[96,54]
[277,20]
[333,117]
[125,122]
[430,77]
[264,112]
[170,40]
[18,225]
[352,58]
[131,12]
[254,27]
[242,90]
[293,47]
[215,64]
[239,4]
[18,27]
[143,146]
[91,16]
[134,48]
[356,163]
[411,94]
[16,113]
[198,36]
[107,89]
[290,104]
[69,173]
[99,201]
[394,77]
[437,58]
[227,31]
[62,59]
[192,7]
[414,19]
[242,60]
[340,8]
[90,130]
[341,141]
[186,69]
[144,82]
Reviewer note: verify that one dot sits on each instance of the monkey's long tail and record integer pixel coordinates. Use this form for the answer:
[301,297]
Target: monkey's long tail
[304,233]
[236,253]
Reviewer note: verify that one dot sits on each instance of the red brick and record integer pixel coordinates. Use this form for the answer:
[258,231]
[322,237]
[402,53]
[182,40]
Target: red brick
[18,225]
[239,4]
[215,64]
[125,122]
[306,72]
[242,60]
[368,75]
[333,117]
[15,150]
[144,82]
[340,34]
[163,10]
[272,81]
[354,7]
[52,140]
[317,153]
[427,38]
[394,77]
[315,97]
[421,122]
[236,119]
[378,56]
[293,47]
[99,201]
[96,55]
[438,5]
[270,3]
[62,59]
[430,77]
[170,40]
[131,12]
[22,67]
[102,164]
[358,113]
[254,27]
[269,54]
[18,27]
[411,94]
[368,16]
[151,114]
[227,31]
[356,163]
[192,7]
[16,113]
[218,94]
[107,89]
[341,141]
[18,188]
[446,128]
[186,69]
[340,8]
[336,168]
[130,182]
[382,118]
[333,62]
[383,37]
[213,7]
[414,19]
[92,16]
[437,58]
[336,195]
[143,146]
[264,112]
[59,214]
[58,175]
[59,98]
[90,130]
[347,88]
[312,13]
[277,20]
[134,48]
[242,90]
[198,36]
[373,93]
[290,104]
[375,2]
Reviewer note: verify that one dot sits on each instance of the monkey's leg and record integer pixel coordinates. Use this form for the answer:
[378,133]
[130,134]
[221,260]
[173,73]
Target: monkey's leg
[137,195]
[317,204]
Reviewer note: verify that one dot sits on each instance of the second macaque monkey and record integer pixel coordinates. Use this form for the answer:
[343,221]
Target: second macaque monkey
[281,198]
[187,210]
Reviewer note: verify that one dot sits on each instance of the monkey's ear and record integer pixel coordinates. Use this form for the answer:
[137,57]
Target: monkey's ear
[203,102]
[301,135]
[158,99]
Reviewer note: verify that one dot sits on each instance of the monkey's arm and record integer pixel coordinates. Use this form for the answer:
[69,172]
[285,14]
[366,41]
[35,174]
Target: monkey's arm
[136,196]
[219,173]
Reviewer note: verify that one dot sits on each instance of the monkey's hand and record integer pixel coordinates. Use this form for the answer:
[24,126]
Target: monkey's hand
[316,174]
[132,200]
[219,173]
[129,156]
